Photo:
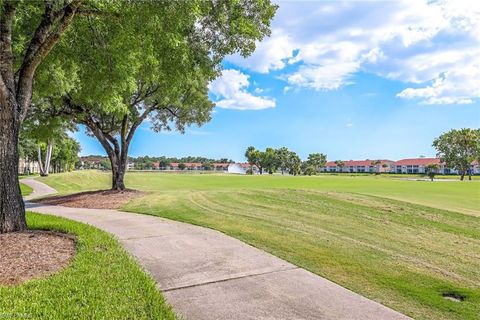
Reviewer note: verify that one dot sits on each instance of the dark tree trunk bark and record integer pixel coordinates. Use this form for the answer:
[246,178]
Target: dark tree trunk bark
[118,173]
[12,209]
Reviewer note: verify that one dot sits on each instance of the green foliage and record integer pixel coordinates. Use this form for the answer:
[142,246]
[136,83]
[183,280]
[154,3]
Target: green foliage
[268,160]
[340,164]
[458,148]
[252,155]
[138,60]
[27,147]
[172,49]
[181,166]
[294,163]
[432,170]
[207,166]
[282,156]
[106,164]
[309,171]
[41,128]
[317,160]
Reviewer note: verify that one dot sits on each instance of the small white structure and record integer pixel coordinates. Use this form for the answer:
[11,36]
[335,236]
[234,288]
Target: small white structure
[236,168]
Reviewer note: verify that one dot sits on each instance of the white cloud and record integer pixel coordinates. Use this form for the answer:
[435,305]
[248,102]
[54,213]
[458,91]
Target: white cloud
[349,123]
[432,44]
[454,87]
[230,89]
[271,54]
[326,77]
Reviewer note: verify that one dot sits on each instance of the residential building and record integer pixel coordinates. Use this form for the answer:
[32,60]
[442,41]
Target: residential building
[403,166]
[28,167]
[91,162]
[419,165]
[223,167]
[188,166]
[360,166]
[241,168]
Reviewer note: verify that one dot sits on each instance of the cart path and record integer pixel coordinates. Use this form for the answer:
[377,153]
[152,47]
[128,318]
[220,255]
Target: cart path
[205,274]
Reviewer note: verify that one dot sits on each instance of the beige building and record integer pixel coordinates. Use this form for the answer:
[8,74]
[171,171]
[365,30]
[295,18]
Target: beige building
[28,167]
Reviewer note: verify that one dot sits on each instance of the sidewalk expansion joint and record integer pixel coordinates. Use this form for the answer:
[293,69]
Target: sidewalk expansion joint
[225,280]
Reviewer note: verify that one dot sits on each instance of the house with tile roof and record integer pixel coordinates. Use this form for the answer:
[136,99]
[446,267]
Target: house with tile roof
[360,166]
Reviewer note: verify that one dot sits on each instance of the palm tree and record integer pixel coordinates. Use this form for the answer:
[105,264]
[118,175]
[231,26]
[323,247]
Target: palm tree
[340,164]
[376,164]
[432,170]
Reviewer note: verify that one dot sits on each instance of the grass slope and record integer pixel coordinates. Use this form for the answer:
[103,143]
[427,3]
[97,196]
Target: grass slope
[402,255]
[26,190]
[450,195]
[103,282]
[350,230]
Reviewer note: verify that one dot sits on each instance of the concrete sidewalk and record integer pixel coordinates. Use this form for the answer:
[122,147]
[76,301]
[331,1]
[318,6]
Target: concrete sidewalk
[205,274]
[39,189]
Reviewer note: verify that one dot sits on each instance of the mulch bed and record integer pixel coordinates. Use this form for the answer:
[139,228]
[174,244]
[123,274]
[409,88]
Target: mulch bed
[33,254]
[101,199]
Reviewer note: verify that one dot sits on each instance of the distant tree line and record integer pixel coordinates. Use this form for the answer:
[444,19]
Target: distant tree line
[148,163]
[284,160]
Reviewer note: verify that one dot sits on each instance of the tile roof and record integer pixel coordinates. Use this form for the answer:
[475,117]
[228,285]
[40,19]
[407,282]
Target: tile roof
[358,163]
[417,162]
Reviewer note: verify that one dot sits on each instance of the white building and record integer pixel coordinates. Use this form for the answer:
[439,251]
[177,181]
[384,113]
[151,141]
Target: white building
[360,166]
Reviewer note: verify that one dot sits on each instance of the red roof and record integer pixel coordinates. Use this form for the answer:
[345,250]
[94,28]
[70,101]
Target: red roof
[221,165]
[418,162]
[357,163]
[187,164]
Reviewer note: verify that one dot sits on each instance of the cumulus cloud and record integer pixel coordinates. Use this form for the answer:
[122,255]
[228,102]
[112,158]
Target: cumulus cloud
[271,54]
[326,77]
[452,87]
[231,92]
[432,45]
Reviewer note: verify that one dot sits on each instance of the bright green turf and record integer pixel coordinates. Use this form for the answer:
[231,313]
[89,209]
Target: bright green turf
[102,282]
[451,195]
[349,229]
[26,190]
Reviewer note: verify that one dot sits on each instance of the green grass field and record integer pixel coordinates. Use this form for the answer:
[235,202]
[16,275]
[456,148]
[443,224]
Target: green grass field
[450,195]
[102,282]
[26,190]
[388,239]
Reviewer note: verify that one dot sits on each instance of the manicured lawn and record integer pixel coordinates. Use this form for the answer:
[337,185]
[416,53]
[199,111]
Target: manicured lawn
[26,190]
[352,230]
[450,195]
[102,282]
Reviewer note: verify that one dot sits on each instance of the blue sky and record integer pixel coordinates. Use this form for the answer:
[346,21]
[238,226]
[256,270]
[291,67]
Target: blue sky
[353,79]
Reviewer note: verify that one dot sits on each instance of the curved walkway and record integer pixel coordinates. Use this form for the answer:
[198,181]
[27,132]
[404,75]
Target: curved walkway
[205,274]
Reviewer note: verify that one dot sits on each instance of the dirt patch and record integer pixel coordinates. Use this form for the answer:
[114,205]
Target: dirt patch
[453,296]
[101,199]
[33,254]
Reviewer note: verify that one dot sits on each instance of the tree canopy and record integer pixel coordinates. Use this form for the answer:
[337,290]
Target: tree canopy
[458,148]
[137,67]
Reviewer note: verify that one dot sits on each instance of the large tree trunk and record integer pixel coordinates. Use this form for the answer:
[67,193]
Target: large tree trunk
[118,173]
[12,209]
